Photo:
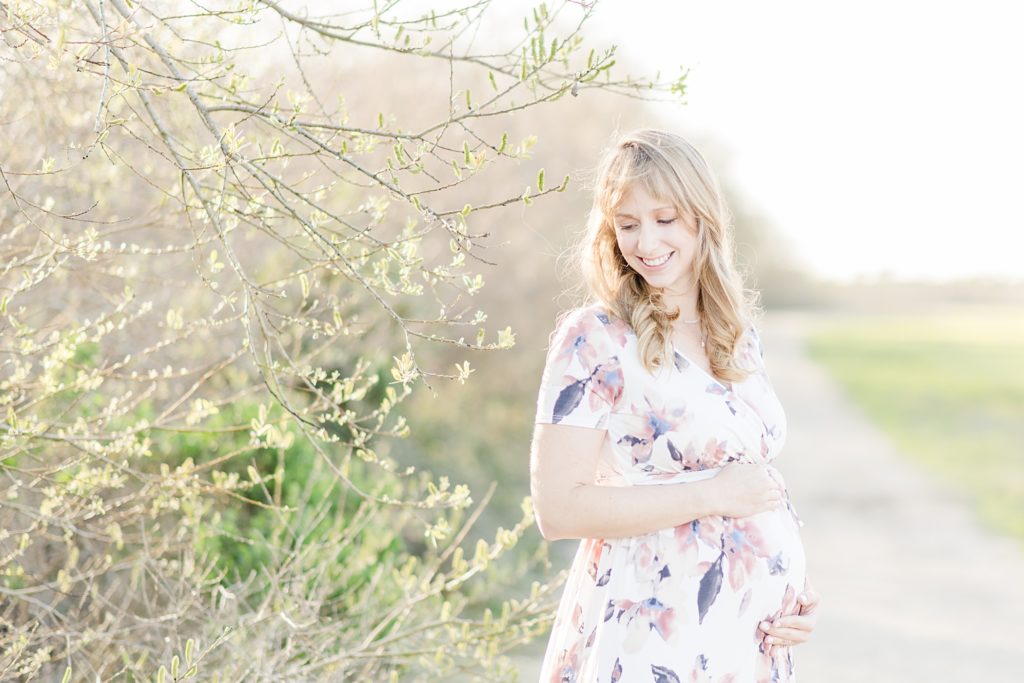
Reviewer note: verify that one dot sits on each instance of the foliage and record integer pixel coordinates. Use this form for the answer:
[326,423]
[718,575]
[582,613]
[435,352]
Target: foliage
[947,388]
[222,266]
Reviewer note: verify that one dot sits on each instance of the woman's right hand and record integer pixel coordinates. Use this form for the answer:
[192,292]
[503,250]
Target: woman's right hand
[745,489]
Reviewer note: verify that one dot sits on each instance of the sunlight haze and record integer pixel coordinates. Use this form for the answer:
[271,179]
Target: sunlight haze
[880,137]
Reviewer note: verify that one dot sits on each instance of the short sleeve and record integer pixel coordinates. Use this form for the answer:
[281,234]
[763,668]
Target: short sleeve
[756,340]
[582,381]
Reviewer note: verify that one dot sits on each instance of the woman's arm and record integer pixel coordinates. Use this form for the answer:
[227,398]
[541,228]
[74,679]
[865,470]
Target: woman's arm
[568,504]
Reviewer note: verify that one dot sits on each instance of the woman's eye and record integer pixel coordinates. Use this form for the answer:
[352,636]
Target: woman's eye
[666,221]
[628,226]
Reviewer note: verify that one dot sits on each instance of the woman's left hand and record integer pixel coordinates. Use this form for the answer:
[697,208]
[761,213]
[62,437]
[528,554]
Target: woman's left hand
[793,629]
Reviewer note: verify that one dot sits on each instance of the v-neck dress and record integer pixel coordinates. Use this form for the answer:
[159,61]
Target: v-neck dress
[680,604]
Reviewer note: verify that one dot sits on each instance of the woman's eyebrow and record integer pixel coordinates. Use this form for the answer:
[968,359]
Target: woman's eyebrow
[660,208]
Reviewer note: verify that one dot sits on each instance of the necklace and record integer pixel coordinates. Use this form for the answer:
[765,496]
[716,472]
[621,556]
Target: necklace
[691,322]
[703,333]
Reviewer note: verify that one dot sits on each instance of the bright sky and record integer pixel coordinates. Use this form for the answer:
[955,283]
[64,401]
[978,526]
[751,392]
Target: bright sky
[881,135]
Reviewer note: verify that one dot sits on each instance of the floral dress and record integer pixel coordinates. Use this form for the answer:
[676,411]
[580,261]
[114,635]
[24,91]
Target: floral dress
[681,604]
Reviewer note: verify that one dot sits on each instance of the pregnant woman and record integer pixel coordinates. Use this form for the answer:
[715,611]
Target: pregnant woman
[656,432]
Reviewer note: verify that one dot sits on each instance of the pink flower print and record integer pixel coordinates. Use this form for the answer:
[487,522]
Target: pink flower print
[657,423]
[715,453]
[687,458]
[639,448]
[706,530]
[744,544]
[567,668]
[686,541]
[660,421]
[646,561]
[577,618]
[640,618]
[577,344]
[616,331]
[598,550]
[608,385]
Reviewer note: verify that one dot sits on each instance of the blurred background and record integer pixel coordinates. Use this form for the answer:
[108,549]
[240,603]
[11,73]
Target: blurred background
[871,154]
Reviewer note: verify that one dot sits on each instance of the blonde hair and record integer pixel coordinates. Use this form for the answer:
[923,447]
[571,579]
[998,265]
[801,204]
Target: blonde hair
[670,169]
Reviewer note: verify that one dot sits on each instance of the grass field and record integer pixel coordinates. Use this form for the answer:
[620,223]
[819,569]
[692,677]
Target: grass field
[949,390]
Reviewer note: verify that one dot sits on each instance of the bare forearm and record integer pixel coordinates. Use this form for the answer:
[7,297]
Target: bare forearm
[591,511]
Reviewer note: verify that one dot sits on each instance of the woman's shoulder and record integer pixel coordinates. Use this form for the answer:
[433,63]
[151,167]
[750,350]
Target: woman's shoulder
[594,319]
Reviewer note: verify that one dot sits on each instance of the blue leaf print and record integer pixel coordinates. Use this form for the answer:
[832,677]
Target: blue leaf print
[658,425]
[778,565]
[716,389]
[605,578]
[710,585]
[664,675]
[568,399]
[673,451]
[609,611]
[680,362]
[745,602]
[616,671]
[603,317]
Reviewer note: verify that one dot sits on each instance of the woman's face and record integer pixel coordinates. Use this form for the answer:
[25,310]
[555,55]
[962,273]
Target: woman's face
[657,241]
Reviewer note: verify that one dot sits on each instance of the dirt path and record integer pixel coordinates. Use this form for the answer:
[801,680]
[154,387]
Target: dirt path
[914,589]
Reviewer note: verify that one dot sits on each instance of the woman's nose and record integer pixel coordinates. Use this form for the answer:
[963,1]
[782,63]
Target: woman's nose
[647,239]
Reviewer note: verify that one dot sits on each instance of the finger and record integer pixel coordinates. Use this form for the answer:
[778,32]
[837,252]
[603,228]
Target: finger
[772,648]
[793,635]
[808,601]
[801,622]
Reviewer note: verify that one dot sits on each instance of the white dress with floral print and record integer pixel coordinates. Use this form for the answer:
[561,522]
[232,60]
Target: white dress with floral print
[681,604]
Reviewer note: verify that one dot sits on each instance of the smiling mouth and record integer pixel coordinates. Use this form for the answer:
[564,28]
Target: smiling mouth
[654,263]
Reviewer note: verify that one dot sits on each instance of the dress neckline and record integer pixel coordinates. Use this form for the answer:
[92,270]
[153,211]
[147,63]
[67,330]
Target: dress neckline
[728,388]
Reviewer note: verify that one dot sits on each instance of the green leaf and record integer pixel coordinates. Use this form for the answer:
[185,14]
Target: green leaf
[540,181]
